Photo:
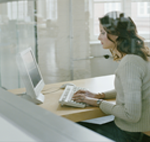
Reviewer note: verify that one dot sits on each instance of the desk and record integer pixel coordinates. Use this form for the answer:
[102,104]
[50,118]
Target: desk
[52,95]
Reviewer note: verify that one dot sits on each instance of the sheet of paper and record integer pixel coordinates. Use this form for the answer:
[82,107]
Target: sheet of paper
[101,120]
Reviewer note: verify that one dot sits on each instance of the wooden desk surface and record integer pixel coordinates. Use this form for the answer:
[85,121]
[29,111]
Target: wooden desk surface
[52,94]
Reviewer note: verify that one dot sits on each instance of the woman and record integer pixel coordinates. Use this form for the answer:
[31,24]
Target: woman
[132,81]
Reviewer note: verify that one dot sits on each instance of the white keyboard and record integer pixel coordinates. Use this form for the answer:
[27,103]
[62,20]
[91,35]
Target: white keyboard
[66,97]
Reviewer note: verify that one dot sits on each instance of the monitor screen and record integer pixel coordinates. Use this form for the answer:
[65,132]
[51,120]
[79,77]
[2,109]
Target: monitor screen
[31,68]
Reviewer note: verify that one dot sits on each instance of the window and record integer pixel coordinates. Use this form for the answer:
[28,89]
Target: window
[143,9]
[141,16]
[148,8]
[51,9]
[112,6]
[17,10]
[12,10]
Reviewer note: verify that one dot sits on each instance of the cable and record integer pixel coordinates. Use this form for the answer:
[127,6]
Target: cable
[51,91]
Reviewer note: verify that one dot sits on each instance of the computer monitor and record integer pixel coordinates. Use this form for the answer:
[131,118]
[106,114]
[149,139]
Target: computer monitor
[31,76]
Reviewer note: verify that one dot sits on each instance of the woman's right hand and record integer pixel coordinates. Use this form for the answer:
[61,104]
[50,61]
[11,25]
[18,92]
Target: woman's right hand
[87,97]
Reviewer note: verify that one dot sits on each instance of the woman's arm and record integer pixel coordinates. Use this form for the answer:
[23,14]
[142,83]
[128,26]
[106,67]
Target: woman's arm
[109,94]
[128,109]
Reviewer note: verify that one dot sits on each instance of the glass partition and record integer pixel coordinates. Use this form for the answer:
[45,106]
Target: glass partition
[17,32]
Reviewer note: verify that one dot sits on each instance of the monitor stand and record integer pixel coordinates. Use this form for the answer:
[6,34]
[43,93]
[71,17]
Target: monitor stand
[37,100]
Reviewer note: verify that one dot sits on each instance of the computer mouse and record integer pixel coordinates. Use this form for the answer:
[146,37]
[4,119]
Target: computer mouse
[64,85]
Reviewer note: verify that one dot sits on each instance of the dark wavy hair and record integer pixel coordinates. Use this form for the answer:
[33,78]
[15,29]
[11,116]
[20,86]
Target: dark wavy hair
[128,41]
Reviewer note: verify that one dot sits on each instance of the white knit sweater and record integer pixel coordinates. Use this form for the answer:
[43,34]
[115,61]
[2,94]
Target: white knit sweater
[132,91]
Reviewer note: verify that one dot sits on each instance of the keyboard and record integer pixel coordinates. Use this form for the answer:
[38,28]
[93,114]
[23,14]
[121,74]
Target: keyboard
[66,97]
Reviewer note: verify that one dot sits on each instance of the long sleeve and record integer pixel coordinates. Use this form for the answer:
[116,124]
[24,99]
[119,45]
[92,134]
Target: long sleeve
[110,94]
